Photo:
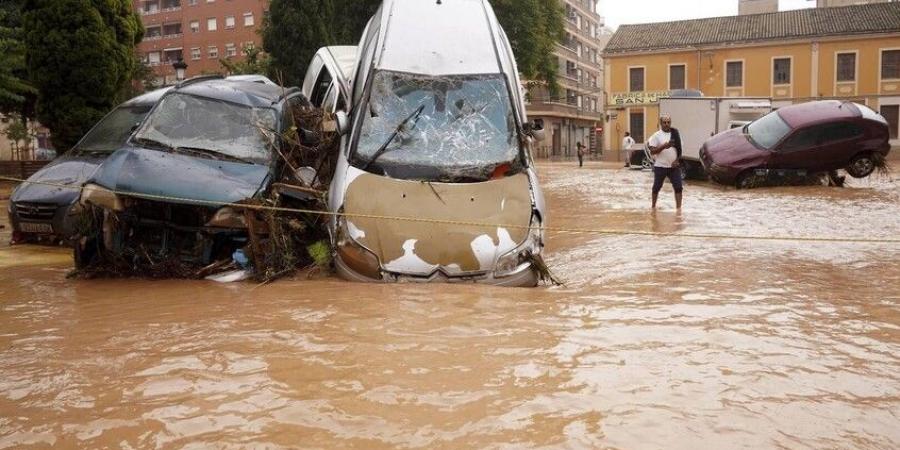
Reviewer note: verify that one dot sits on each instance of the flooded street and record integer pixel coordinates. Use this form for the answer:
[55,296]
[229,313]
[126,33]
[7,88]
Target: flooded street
[654,342]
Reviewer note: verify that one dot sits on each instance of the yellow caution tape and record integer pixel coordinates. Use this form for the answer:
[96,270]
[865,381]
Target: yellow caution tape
[596,231]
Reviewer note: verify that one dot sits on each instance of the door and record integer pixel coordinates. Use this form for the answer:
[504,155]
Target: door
[891,113]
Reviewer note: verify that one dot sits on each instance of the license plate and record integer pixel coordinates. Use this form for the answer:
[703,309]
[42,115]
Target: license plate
[32,227]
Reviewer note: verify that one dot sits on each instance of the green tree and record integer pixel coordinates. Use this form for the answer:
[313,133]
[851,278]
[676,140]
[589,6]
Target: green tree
[14,90]
[80,57]
[292,33]
[254,62]
[296,29]
[533,28]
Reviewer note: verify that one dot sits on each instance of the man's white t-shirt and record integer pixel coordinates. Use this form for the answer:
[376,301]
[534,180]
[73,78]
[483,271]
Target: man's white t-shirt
[627,142]
[666,157]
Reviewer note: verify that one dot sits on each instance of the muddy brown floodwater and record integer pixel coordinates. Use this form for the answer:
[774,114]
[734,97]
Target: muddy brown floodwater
[653,343]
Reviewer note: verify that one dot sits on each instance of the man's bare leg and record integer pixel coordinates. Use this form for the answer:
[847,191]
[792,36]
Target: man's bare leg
[677,200]
[655,196]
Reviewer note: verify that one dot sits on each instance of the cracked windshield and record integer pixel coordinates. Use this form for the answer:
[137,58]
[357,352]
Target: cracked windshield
[440,128]
[213,127]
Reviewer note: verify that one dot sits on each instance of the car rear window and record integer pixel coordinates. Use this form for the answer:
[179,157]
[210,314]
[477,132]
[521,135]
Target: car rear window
[868,113]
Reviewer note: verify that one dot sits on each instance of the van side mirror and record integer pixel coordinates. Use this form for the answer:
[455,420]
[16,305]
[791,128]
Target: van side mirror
[535,129]
[343,122]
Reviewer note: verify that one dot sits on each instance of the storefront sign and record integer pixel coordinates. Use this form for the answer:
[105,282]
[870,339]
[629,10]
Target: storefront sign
[638,98]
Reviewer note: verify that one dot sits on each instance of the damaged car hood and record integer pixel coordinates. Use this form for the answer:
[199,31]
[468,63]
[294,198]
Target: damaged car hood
[67,170]
[180,178]
[421,248]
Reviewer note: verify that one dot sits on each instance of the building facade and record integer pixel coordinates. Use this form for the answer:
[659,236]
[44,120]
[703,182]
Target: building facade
[201,32]
[757,6]
[850,53]
[575,112]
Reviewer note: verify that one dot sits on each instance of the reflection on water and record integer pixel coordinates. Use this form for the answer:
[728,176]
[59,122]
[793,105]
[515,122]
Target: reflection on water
[653,343]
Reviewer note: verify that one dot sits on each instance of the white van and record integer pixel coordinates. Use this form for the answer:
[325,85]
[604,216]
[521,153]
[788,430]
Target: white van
[435,180]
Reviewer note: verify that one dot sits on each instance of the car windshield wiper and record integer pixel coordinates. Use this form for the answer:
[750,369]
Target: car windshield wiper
[212,153]
[383,149]
[153,143]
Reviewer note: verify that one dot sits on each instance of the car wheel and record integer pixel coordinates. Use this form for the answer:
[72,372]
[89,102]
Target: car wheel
[646,163]
[749,180]
[861,165]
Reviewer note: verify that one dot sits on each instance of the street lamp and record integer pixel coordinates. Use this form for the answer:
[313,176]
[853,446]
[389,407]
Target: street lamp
[180,67]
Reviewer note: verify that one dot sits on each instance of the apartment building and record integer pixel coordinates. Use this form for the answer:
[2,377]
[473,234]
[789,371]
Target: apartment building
[574,114]
[849,53]
[198,31]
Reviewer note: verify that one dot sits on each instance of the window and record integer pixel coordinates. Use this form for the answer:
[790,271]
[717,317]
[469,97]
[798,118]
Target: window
[839,132]
[802,140]
[229,22]
[195,53]
[317,96]
[636,79]
[230,50]
[676,77]
[192,2]
[153,58]
[248,19]
[891,113]
[195,26]
[249,45]
[210,1]
[212,51]
[211,24]
[846,67]
[734,74]
[781,71]
[636,125]
[890,64]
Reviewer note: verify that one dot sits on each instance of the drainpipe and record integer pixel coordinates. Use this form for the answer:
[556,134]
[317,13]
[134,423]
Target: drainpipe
[814,82]
[699,63]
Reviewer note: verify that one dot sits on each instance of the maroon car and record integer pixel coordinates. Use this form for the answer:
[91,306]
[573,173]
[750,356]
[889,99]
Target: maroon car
[802,139]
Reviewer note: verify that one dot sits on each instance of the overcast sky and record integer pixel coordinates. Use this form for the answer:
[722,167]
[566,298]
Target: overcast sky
[618,12]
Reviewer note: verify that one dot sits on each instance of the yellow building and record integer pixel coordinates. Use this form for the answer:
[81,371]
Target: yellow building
[850,52]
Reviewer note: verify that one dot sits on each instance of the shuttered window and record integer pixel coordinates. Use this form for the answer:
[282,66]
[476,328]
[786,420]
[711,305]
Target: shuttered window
[734,74]
[676,77]
[890,65]
[846,67]
[781,71]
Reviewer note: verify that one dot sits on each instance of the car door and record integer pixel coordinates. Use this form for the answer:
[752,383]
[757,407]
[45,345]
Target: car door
[799,150]
[839,143]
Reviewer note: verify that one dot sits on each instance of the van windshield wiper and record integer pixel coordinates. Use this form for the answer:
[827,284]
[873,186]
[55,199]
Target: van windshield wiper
[383,149]
[153,143]
[212,154]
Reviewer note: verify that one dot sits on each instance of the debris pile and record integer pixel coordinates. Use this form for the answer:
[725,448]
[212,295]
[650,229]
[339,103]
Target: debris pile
[265,237]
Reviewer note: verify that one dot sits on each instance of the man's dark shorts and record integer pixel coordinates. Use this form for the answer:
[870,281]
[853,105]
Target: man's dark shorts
[674,175]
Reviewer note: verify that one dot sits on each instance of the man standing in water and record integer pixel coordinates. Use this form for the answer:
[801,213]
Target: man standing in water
[627,142]
[580,147]
[665,146]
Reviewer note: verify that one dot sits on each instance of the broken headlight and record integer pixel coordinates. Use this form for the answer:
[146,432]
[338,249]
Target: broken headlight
[352,254]
[93,194]
[520,258]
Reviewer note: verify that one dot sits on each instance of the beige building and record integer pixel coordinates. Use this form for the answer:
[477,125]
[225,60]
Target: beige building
[849,53]
[576,111]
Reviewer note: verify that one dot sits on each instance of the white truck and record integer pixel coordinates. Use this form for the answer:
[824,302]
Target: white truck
[699,118]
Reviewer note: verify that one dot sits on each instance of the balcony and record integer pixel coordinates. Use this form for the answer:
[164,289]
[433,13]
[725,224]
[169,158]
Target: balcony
[155,8]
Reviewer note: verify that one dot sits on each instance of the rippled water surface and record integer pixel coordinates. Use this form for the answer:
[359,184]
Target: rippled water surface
[653,342]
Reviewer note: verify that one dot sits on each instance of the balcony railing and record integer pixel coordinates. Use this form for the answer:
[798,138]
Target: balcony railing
[161,10]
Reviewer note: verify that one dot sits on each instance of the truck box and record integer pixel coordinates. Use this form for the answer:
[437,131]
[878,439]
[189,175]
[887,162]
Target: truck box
[699,118]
